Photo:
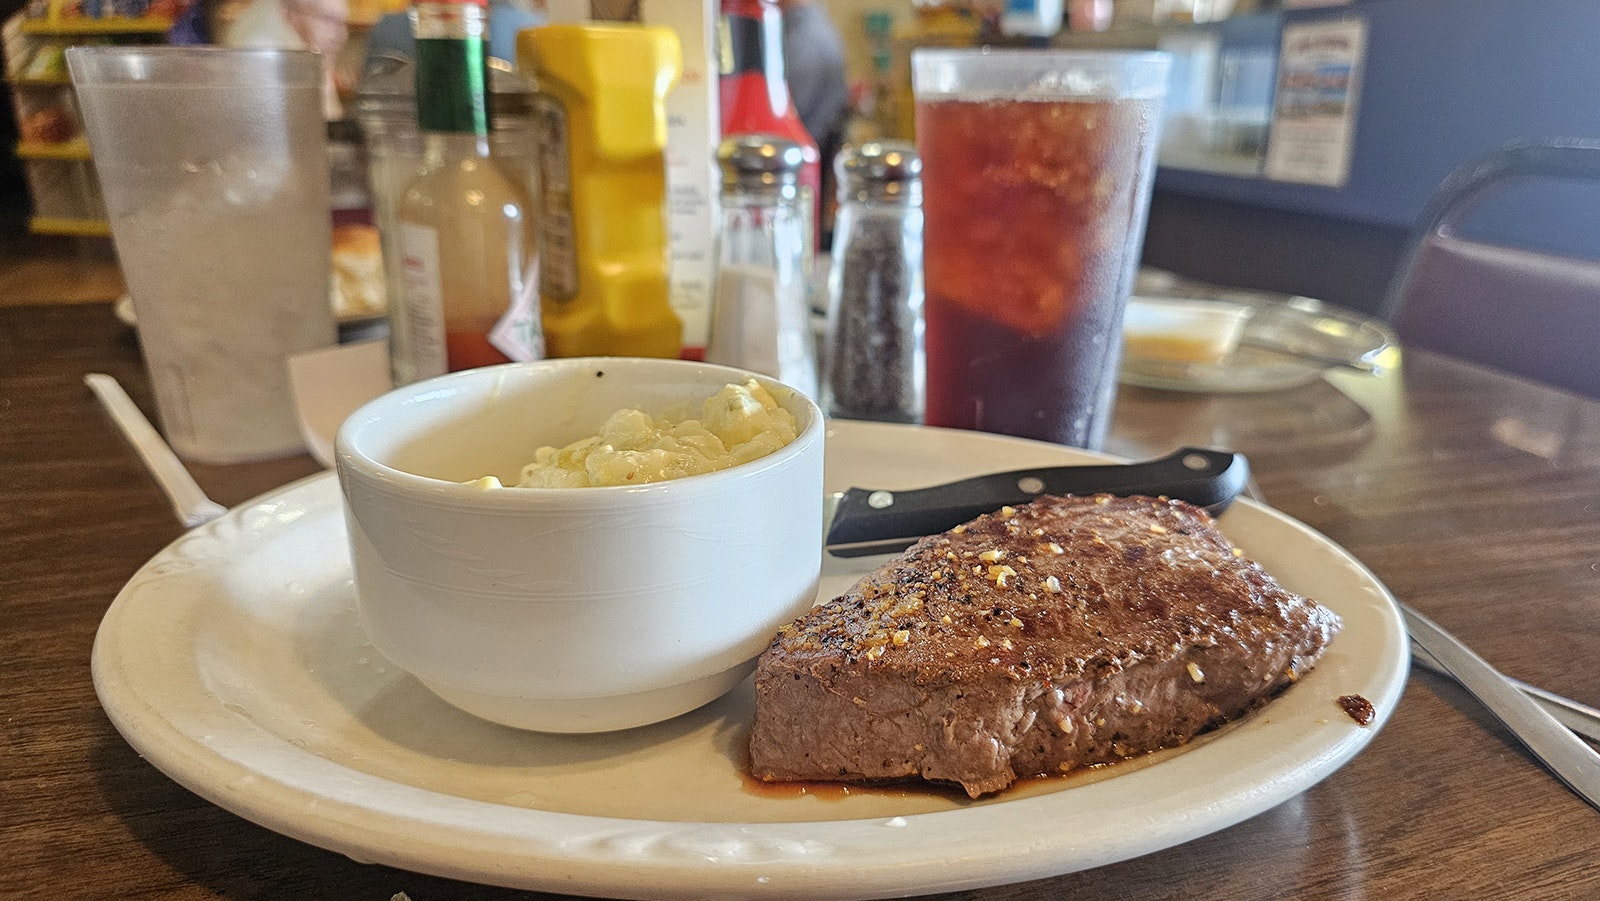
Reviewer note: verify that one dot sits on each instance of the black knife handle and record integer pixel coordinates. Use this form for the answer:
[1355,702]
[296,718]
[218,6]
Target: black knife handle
[1205,478]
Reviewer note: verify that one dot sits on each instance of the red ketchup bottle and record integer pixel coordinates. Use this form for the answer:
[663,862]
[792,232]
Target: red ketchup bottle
[755,96]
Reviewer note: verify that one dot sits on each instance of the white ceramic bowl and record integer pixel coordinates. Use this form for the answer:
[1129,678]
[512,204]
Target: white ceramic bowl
[574,609]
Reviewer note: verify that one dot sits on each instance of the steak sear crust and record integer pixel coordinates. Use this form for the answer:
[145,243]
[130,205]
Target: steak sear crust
[1038,639]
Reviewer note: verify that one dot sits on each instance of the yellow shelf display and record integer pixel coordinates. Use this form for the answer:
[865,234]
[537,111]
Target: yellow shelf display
[70,27]
[54,153]
[75,149]
[58,225]
[40,80]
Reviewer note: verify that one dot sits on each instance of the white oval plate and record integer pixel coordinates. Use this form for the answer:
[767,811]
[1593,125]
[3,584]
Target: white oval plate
[234,662]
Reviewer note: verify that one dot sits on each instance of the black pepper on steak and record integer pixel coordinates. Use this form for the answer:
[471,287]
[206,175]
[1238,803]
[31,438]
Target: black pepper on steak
[1067,632]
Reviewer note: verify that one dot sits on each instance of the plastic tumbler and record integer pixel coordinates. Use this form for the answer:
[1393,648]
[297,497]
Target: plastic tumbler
[214,167]
[1036,175]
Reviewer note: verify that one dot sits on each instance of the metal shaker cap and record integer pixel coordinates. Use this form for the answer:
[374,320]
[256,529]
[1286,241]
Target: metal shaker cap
[880,170]
[760,163]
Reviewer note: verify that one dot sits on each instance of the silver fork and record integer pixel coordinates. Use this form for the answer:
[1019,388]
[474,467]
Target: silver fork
[1547,738]
[1580,718]
[1566,755]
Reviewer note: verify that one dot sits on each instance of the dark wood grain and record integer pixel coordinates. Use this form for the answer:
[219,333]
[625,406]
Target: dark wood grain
[1473,496]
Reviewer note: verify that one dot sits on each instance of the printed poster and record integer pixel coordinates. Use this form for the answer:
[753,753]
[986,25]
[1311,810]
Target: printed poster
[1314,105]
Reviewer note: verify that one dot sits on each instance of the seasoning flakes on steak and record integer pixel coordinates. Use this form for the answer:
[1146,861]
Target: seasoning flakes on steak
[1067,632]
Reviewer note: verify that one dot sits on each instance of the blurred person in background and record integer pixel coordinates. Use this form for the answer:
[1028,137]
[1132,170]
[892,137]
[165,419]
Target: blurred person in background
[813,66]
[197,25]
[318,25]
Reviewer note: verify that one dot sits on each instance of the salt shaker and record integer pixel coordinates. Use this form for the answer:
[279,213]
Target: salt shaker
[760,319]
[874,365]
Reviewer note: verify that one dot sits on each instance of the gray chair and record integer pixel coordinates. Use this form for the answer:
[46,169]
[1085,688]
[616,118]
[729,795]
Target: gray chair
[1524,311]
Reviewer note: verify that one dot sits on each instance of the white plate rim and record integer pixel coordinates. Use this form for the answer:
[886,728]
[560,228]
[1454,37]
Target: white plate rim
[249,771]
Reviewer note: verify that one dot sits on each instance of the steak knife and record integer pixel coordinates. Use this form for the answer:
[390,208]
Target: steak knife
[865,521]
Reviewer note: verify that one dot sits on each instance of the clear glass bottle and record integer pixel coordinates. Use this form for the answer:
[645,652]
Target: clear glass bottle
[873,363]
[760,319]
[469,298]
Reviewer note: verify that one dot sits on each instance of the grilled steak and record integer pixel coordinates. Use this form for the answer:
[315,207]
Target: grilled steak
[1067,632]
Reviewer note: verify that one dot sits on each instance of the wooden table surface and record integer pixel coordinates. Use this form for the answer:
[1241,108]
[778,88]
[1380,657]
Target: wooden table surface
[1473,496]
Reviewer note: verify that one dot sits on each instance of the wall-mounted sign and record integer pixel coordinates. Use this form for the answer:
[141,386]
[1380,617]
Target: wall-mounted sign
[1314,106]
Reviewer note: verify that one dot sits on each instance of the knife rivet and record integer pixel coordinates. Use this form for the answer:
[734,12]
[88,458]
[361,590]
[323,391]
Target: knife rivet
[877,500]
[1196,462]
[1030,485]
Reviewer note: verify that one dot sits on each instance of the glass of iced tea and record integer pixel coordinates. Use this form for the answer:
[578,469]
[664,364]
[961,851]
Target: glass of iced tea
[1036,172]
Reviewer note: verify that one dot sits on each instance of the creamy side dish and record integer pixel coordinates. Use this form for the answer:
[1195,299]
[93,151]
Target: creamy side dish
[738,424]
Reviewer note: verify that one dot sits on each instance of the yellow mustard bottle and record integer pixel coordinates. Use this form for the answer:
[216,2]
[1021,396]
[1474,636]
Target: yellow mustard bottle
[601,119]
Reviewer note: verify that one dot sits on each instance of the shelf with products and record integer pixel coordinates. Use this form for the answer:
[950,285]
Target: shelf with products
[108,25]
[52,147]
[69,227]
[42,81]
[64,189]
[75,149]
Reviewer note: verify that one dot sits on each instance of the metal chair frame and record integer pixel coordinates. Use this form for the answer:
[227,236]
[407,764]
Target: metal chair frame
[1547,313]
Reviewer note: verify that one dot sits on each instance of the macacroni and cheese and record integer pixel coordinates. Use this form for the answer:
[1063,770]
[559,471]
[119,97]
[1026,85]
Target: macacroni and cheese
[738,424]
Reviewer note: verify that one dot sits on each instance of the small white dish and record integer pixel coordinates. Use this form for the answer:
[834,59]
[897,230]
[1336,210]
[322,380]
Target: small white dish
[572,609]
[122,308]
[331,383]
[1282,342]
[1181,330]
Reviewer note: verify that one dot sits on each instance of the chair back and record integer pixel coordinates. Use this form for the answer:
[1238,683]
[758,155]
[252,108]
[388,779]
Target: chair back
[1521,310]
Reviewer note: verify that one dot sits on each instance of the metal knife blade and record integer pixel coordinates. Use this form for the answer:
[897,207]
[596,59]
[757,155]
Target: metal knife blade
[864,521]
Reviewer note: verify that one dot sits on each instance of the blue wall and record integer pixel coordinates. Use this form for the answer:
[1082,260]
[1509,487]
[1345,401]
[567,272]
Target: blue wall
[1444,81]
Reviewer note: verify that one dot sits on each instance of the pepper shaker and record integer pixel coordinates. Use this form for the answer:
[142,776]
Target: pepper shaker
[760,319]
[873,367]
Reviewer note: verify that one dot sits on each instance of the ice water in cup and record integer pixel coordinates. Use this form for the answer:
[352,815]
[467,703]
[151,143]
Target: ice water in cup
[214,166]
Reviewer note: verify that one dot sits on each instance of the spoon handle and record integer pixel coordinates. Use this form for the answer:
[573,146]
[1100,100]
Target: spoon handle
[189,502]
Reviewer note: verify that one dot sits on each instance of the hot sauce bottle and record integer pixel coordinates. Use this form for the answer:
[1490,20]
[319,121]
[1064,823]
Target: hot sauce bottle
[755,97]
[465,240]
